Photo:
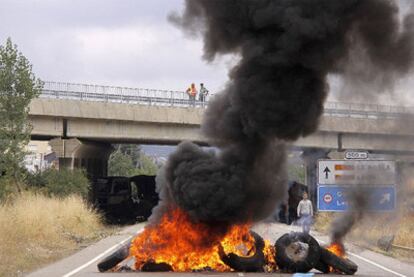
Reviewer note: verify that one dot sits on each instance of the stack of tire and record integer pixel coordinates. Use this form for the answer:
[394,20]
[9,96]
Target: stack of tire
[300,252]
[295,252]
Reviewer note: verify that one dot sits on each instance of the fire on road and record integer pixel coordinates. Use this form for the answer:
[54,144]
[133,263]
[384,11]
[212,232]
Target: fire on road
[84,263]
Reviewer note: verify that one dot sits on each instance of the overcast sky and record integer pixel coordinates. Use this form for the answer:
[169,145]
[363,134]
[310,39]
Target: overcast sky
[113,42]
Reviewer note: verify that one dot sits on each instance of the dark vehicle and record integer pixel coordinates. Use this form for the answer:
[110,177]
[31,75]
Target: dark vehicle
[143,194]
[124,199]
[287,210]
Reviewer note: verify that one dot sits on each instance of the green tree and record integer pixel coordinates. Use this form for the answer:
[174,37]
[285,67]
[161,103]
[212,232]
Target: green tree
[120,164]
[146,166]
[129,160]
[131,150]
[18,86]
[296,172]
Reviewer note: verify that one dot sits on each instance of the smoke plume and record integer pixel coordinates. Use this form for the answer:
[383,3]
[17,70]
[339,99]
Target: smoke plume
[358,204]
[275,93]
[382,51]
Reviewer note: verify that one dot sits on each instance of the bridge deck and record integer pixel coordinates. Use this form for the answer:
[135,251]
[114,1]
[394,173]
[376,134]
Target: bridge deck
[84,92]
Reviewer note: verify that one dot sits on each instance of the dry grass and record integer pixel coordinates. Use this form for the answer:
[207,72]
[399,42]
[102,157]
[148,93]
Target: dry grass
[376,225]
[323,221]
[35,230]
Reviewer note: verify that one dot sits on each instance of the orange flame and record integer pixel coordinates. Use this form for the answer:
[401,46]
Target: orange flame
[339,250]
[189,246]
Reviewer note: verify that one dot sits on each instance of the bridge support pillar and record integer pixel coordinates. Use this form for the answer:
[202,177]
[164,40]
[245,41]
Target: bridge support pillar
[74,153]
[311,157]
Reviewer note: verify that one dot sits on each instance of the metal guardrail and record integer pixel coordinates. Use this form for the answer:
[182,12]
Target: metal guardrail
[84,92]
[127,95]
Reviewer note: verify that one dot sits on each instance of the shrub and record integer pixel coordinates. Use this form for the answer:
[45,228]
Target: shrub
[60,183]
[6,188]
[35,180]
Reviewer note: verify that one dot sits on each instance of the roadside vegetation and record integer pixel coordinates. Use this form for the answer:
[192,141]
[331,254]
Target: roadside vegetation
[18,86]
[36,229]
[48,219]
[60,183]
[296,172]
[128,160]
[375,226]
[43,216]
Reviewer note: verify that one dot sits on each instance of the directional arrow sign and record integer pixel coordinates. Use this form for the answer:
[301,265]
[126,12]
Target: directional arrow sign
[356,172]
[326,172]
[386,197]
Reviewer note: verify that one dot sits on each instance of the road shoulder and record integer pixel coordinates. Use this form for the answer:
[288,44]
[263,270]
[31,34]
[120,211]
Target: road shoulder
[67,266]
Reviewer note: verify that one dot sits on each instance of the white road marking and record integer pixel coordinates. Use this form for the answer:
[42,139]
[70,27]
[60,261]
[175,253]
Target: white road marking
[377,265]
[76,270]
[373,263]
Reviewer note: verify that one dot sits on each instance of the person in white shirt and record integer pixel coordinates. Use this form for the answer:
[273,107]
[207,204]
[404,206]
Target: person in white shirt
[203,93]
[305,213]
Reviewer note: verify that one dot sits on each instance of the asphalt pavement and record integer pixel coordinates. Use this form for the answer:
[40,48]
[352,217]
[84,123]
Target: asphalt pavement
[84,263]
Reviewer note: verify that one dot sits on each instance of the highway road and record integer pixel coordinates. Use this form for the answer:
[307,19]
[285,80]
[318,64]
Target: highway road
[84,262]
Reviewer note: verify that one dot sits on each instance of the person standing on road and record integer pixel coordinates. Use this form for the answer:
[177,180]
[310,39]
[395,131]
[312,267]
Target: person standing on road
[305,213]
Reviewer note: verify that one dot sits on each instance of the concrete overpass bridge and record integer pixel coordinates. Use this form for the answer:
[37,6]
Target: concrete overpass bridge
[82,120]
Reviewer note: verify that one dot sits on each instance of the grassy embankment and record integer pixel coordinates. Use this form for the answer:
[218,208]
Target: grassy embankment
[36,230]
[374,226]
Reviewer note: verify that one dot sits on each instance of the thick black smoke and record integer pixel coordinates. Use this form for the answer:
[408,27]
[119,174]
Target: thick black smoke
[275,93]
[231,186]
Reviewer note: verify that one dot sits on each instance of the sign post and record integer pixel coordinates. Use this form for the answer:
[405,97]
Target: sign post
[375,178]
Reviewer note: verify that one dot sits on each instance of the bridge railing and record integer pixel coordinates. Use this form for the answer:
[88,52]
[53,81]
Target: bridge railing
[116,94]
[84,92]
[367,110]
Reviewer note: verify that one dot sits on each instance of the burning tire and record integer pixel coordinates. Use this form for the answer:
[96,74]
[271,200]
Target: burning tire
[254,263]
[322,267]
[156,267]
[297,252]
[340,264]
[115,258]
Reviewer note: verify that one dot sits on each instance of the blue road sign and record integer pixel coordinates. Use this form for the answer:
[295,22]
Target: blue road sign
[334,198]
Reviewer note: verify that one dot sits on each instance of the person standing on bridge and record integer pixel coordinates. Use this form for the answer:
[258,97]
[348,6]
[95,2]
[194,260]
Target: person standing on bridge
[305,213]
[203,94]
[192,93]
